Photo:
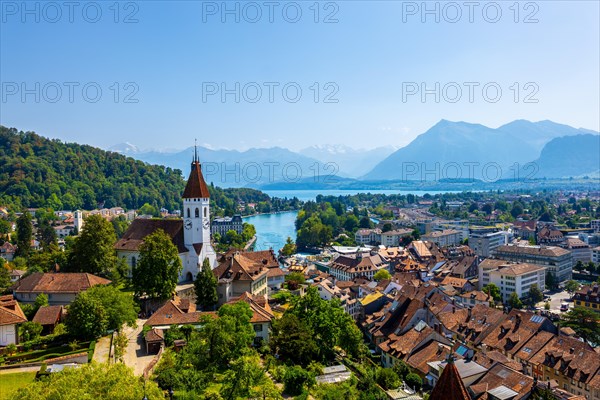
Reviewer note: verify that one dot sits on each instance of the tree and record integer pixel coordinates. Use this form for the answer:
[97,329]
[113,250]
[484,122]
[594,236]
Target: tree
[387,378]
[387,227]
[585,322]
[493,290]
[535,294]
[5,281]
[365,223]
[242,375]
[294,279]
[24,235]
[91,381]
[157,272]
[292,340]
[205,287]
[517,209]
[572,286]
[550,281]
[289,248]
[119,307]
[401,369]
[295,379]
[30,331]
[93,250]
[382,274]
[414,381]
[514,301]
[86,317]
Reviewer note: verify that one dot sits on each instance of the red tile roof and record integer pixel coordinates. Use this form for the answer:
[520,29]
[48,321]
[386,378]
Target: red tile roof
[196,187]
[171,313]
[10,312]
[134,236]
[64,282]
[48,315]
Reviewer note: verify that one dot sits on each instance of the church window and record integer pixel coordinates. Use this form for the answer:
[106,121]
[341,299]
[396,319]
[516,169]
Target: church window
[188,212]
[204,212]
[197,213]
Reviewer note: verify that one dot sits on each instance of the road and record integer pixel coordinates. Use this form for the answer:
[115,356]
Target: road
[556,299]
[135,356]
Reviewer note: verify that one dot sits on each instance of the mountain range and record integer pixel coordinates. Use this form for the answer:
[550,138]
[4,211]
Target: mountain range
[447,151]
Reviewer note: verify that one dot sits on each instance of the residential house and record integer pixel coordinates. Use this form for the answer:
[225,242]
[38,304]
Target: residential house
[7,251]
[348,267]
[239,273]
[16,274]
[549,235]
[596,254]
[262,316]
[11,316]
[588,297]
[524,229]
[176,311]
[61,288]
[473,298]
[502,382]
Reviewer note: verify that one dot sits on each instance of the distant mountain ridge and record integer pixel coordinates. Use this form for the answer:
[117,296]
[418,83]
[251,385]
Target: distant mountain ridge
[570,156]
[465,150]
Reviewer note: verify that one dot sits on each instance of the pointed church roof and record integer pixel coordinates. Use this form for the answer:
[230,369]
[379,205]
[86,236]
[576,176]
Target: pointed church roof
[449,386]
[196,187]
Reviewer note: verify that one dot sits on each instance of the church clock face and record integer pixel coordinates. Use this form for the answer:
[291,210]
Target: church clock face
[205,223]
[188,224]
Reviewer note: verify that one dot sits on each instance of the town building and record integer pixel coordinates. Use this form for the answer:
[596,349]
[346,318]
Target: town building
[348,267]
[262,315]
[7,251]
[191,235]
[513,278]
[588,297]
[48,317]
[595,225]
[238,273]
[225,224]
[11,316]
[581,251]
[447,237]
[524,229]
[484,243]
[596,254]
[61,288]
[558,261]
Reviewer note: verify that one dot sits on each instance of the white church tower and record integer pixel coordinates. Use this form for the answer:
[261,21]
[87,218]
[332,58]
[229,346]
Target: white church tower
[196,222]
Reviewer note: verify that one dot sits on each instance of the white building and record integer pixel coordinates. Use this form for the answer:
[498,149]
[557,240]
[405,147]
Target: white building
[367,236]
[484,243]
[348,267]
[448,237]
[596,254]
[191,235]
[559,261]
[513,278]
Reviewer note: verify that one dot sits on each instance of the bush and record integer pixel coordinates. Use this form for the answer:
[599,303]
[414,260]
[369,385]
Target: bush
[414,381]
[387,378]
[30,331]
[295,379]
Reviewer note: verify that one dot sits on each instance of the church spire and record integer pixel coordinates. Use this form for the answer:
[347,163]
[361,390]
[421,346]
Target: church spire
[450,386]
[196,186]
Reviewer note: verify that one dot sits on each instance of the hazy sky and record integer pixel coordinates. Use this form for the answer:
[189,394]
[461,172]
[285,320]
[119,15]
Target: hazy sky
[162,68]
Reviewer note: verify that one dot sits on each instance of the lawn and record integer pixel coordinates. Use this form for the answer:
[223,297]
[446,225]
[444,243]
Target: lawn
[11,382]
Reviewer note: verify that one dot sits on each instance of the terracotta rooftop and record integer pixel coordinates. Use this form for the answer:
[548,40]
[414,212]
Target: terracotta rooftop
[363,263]
[10,311]
[500,376]
[172,313]
[239,267]
[134,236]
[546,251]
[48,315]
[64,282]
[261,311]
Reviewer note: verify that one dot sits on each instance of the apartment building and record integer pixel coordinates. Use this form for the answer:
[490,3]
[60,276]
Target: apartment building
[511,277]
[484,243]
[558,261]
[448,237]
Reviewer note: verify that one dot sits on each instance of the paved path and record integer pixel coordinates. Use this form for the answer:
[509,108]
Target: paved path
[102,350]
[18,370]
[135,355]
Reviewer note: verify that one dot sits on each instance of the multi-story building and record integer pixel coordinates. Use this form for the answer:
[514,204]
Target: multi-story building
[588,297]
[595,225]
[484,243]
[596,254]
[226,224]
[448,237]
[367,236]
[517,278]
[558,261]
[461,225]
[348,267]
[581,251]
[376,236]
[237,274]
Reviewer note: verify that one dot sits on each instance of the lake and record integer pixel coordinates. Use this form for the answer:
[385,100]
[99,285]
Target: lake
[272,230]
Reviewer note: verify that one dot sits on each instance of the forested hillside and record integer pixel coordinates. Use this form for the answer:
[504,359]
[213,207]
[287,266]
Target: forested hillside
[36,171]
[39,172]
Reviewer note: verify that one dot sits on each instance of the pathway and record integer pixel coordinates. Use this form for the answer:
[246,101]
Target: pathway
[135,356]
[102,350]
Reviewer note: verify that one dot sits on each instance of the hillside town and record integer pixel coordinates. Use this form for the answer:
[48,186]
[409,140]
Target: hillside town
[437,308]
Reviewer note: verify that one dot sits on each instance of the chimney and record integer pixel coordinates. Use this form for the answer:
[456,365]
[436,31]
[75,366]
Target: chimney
[453,310]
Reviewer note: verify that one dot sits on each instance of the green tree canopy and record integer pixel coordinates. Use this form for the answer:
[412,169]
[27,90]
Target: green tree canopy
[86,317]
[493,291]
[572,286]
[157,272]
[381,275]
[119,307]
[24,235]
[91,381]
[93,250]
[205,287]
[535,294]
[289,248]
[514,301]
[585,322]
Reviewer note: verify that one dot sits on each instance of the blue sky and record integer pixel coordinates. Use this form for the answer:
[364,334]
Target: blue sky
[171,55]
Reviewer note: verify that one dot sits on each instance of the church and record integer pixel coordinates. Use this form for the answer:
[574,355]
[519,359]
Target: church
[191,234]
